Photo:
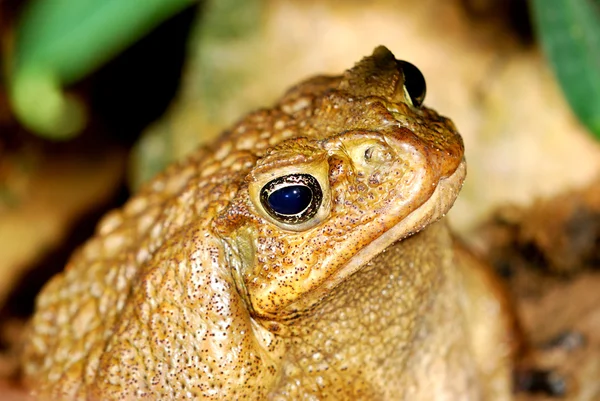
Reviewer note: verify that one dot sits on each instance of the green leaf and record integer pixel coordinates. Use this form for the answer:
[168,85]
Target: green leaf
[60,41]
[569,31]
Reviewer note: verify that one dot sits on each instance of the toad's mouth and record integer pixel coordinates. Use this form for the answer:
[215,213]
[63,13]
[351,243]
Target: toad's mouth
[433,209]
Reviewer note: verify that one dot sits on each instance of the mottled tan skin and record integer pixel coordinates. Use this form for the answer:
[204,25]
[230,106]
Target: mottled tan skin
[192,291]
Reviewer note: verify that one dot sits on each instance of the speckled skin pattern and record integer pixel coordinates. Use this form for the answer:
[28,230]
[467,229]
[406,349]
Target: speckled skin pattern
[193,291]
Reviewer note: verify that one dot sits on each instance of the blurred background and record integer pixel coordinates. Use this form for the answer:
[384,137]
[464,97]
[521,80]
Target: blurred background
[97,96]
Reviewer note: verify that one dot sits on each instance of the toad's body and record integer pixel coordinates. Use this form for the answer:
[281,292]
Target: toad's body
[206,285]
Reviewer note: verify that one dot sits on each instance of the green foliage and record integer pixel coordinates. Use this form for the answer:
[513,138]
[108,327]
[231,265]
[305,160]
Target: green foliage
[569,31]
[60,41]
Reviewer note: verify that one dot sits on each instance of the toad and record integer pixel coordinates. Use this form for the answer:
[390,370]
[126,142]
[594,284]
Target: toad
[301,256]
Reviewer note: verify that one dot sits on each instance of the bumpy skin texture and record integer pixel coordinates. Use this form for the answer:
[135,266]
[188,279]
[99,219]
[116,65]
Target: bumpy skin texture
[194,291]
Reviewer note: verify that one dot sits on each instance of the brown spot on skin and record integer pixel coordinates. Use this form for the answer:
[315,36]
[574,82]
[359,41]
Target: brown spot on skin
[193,290]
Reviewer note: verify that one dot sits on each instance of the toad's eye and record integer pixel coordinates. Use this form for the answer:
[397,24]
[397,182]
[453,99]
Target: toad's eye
[414,82]
[293,198]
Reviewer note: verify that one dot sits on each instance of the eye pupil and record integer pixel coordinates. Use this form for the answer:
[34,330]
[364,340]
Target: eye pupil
[290,200]
[414,82]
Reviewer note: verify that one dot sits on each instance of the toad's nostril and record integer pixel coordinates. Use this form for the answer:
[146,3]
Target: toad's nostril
[377,154]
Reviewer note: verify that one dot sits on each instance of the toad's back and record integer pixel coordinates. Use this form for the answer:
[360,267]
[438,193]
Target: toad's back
[268,265]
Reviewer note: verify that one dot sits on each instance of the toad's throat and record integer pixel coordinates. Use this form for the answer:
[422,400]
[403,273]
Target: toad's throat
[429,212]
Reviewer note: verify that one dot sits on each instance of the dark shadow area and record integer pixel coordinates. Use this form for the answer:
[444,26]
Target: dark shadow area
[514,14]
[136,87]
